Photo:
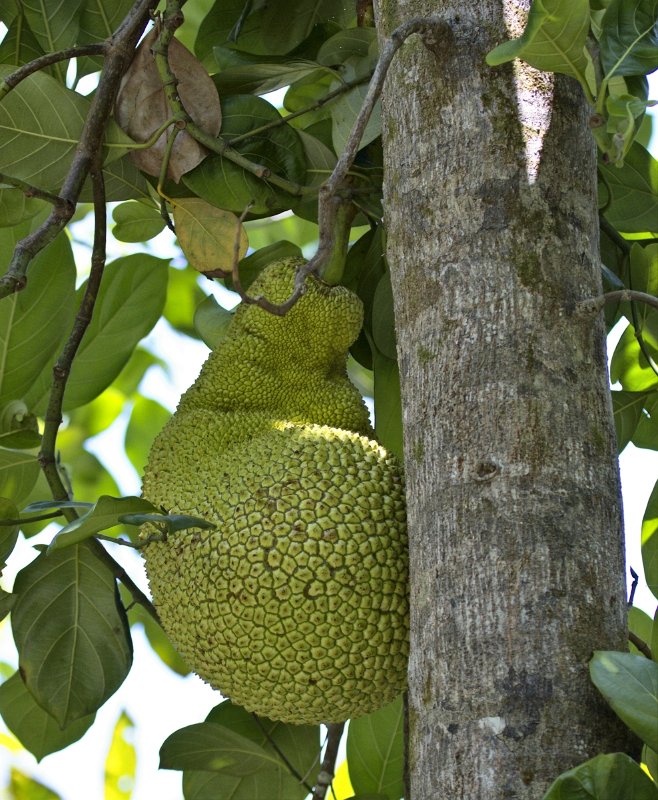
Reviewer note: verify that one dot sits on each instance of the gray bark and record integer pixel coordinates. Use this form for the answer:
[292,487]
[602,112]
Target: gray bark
[516,556]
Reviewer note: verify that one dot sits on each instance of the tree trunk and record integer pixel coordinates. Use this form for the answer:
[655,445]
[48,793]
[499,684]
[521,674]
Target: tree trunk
[516,555]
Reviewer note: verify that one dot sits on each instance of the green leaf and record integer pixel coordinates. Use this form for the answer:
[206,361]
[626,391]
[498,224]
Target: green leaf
[71,632]
[258,77]
[23,787]
[653,642]
[650,544]
[40,126]
[18,474]
[299,743]
[641,624]
[54,24]
[629,38]
[375,751]
[37,731]
[388,404]
[347,44]
[121,761]
[7,600]
[34,321]
[158,640]
[146,420]
[383,318]
[629,194]
[98,21]
[8,533]
[606,777]
[208,746]
[344,112]
[553,40]
[19,45]
[646,432]
[103,515]
[629,365]
[129,304]
[136,222]
[211,322]
[630,685]
[251,266]
[650,761]
[282,32]
[226,185]
[15,207]
[627,408]
[219,22]
[644,278]
[184,296]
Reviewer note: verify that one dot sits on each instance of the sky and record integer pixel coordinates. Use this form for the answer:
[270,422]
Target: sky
[157,700]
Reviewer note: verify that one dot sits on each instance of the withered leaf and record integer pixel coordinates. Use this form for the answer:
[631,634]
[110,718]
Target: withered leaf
[141,107]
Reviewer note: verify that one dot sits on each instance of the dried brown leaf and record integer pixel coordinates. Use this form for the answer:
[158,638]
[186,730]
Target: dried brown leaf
[141,107]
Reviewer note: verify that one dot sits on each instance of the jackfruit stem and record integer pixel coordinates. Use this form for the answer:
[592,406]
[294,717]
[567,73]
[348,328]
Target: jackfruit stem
[339,225]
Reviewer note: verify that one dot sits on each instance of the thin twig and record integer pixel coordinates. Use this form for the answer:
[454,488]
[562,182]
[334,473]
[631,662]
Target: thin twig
[328,767]
[13,79]
[641,645]
[291,769]
[33,191]
[596,304]
[119,52]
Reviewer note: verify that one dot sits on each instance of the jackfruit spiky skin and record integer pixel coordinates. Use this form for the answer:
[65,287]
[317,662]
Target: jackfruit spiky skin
[295,605]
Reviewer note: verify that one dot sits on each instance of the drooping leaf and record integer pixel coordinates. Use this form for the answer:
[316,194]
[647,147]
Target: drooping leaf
[627,408]
[146,420]
[211,322]
[630,685]
[142,107]
[650,543]
[136,222]
[614,776]
[34,321]
[40,126]
[629,365]
[37,731]
[375,752]
[211,747]
[629,37]
[227,185]
[129,303]
[103,515]
[8,533]
[629,194]
[207,234]
[553,40]
[121,761]
[299,743]
[71,632]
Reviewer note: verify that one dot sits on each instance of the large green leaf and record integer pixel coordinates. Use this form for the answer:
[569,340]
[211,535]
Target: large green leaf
[218,25]
[130,302]
[18,474]
[146,421]
[614,776]
[15,207]
[627,408]
[37,731]
[375,752]
[347,44]
[553,40]
[98,21]
[629,37]
[383,318]
[644,278]
[344,112]
[629,194]
[630,685]
[54,24]
[299,743]
[629,365]
[33,322]
[257,77]
[646,432]
[226,185]
[283,32]
[40,126]
[641,624]
[71,632]
[388,404]
[19,45]
[650,543]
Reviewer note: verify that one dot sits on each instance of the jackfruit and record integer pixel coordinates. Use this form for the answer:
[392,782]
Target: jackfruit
[295,606]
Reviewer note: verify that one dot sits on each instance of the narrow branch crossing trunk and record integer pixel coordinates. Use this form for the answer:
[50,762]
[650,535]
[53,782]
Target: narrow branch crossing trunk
[514,505]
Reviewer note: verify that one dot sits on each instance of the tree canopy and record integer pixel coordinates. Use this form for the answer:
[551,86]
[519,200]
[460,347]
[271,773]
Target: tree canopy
[180,132]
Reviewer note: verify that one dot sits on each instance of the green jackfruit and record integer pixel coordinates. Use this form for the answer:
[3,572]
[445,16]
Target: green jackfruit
[295,606]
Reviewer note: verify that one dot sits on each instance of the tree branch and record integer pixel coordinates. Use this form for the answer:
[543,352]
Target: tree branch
[33,191]
[119,51]
[13,79]
[596,304]
[641,645]
[328,768]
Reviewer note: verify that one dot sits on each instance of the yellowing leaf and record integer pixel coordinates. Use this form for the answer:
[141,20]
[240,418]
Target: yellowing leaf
[207,234]
[121,761]
[341,784]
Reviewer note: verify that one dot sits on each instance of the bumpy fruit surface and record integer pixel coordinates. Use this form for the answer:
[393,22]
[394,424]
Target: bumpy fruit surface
[295,605]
